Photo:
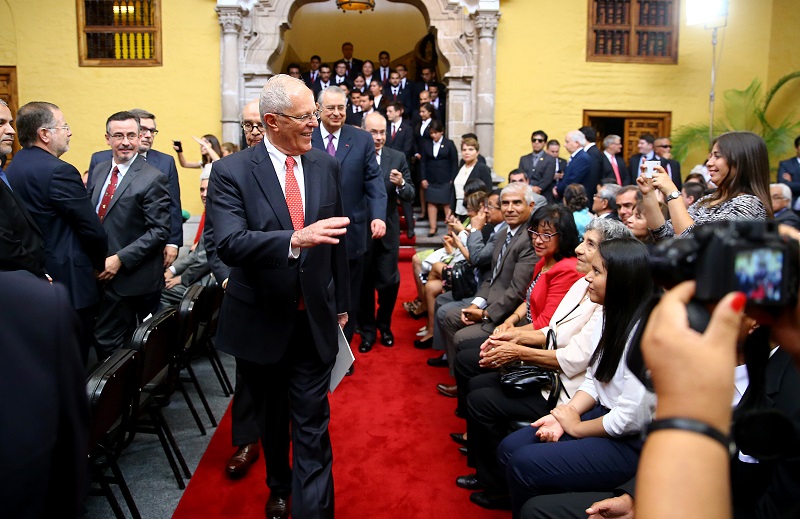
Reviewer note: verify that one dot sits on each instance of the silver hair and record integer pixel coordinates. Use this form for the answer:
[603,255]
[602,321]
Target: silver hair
[610,139]
[578,137]
[609,229]
[609,193]
[3,103]
[274,96]
[333,89]
[785,190]
[518,188]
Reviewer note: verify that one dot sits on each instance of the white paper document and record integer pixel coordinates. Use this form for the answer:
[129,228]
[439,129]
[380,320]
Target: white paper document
[344,359]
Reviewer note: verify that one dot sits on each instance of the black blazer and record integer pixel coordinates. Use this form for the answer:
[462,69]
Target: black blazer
[403,140]
[21,243]
[137,224]
[393,159]
[441,169]
[608,171]
[74,239]
[420,140]
[479,172]
[247,217]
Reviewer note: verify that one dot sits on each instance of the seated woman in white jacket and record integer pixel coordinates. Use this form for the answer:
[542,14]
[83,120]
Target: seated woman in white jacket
[592,442]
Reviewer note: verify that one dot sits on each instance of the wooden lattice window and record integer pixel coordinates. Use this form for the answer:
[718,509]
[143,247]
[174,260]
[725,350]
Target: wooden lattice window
[119,33]
[633,31]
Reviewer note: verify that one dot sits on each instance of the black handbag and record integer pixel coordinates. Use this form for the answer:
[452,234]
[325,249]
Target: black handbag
[460,278]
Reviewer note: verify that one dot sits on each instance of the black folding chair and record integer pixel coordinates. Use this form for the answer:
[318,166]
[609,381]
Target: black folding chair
[158,342]
[212,302]
[110,390]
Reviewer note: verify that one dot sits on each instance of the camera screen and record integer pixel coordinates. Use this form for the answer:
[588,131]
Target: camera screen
[759,274]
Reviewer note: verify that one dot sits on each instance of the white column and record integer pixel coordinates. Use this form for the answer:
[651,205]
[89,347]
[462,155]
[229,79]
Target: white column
[230,18]
[486,24]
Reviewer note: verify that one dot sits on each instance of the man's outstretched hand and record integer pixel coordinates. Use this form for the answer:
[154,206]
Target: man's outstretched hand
[324,231]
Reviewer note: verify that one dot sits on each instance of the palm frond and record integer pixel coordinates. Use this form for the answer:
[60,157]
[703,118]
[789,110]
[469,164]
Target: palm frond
[742,107]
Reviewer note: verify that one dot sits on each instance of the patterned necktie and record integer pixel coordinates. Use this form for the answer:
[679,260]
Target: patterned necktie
[528,299]
[293,199]
[329,148]
[109,194]
[497,266]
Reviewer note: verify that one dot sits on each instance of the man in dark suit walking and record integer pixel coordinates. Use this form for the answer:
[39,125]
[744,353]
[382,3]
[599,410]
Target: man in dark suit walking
[579,167]
[380,263]
[163,163]
[613,166]
[132,202]
[21,243]
[363,190]
[74,239]
[539,167]
[276,216]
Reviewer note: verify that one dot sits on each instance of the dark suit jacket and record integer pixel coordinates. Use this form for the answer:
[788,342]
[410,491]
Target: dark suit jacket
[43,406]
[596,169]
[247,216]
[441,169]
[306,76]
[355,69]
[635,163]
[479,172]
[75,242]
[608,171]
[507,291]
[403,140]
[420,140]
[403,96]
[317,87]
[137,224]
[787,216]
[674,167]
[363,193]
[579,171]
[392,159]
[165,164]
[540,172]
[353,118]
[21,243]
[792,167]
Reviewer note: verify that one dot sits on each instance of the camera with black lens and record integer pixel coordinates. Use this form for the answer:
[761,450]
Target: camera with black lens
[745,256]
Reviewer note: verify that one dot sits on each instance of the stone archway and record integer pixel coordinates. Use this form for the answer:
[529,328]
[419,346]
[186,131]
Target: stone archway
[252,38]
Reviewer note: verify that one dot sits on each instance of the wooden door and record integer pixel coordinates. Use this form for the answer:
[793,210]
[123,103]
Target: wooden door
[632,125]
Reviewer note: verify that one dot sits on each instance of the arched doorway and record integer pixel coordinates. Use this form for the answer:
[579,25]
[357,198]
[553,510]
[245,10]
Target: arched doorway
[253,43]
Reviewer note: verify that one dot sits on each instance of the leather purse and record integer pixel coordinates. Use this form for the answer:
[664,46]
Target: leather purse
[460,278]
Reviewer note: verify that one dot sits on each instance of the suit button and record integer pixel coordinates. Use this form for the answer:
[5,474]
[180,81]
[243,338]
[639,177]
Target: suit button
[301,270]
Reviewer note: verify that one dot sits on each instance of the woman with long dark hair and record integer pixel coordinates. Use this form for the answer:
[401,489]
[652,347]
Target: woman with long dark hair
[592,442]
[739,167]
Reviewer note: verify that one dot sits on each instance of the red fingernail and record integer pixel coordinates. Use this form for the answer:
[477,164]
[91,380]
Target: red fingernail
[738,302]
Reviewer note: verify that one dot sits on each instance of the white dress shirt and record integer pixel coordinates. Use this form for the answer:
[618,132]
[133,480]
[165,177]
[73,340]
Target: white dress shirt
[122,168]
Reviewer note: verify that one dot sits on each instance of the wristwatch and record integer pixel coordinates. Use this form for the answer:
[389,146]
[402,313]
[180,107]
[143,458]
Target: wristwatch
[672,196]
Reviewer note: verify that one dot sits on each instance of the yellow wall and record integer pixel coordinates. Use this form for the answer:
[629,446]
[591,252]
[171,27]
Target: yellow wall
[184,93]
[551,43]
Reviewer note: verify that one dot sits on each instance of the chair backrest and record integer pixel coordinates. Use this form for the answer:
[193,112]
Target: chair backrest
[110,389]
[158,341]
[214,294]
[190,312]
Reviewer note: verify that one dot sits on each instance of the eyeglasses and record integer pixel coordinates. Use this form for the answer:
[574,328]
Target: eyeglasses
[490,207]
[145,129]
[301,118]
[668,146]
[248,127]
[65,128]
[334,108]
[537,139]
[122,136]
[544,236]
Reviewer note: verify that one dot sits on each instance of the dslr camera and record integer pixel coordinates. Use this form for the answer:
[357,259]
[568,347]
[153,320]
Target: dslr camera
[746,256]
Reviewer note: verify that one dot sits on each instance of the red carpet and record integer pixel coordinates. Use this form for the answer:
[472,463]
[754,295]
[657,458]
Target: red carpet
[393,457]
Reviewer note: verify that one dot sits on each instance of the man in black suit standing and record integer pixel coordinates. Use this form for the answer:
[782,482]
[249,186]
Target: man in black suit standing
[363,190]
[132,201]
[352,64]
[613,166]
[163,163]
[595,154]
[538,166]
[579,167]
[400,137]
[276,217]
[323,81]
[381,272]
[646,152]
[312,75]
[74,239]
[789,172]
[395,93]
[21,243]
[384,69]
[663,148]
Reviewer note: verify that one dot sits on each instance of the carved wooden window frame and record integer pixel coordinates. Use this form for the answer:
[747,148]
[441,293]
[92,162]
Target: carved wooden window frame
[133,33]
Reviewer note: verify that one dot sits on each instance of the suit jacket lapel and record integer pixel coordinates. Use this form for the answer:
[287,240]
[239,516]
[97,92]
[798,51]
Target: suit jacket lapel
[126,181]
[344,144]
[267,179]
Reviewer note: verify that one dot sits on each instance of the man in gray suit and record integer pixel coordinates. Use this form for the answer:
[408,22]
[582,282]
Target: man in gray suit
[132,201]
[538,166]
[380,261]
[504,288]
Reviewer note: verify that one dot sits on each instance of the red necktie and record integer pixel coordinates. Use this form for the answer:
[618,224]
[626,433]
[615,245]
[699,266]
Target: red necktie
[293,199]
[394,131]
[109,194]
[615,166]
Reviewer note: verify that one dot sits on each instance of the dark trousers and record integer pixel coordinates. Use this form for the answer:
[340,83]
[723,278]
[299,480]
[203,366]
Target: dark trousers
[296,387]
[244,427]
[380,273]
[86,316]
[568,465]
[356,270]
[117,318]
[570,505]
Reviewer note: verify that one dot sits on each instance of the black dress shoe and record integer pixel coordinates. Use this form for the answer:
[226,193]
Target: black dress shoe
[438,362]
[365,346]
[469,482]
[491,500]
[352,370]
[387,338]
[458,438]
[462,450]
[423,344]
[277,507]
